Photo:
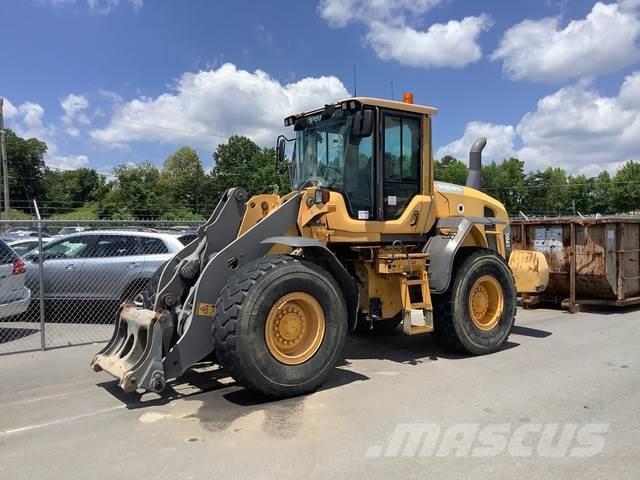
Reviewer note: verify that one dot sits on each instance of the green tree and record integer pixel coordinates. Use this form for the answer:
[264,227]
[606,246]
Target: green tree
[626,188]
[72,189]
[602,194]
[136,193]
[182,178]
[450,169]
[547,192]
[505,181]
[242,163]
[581,193]
[25,160]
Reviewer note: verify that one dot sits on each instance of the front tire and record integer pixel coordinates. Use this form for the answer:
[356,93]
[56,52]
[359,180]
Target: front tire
[476,315]
[280,326]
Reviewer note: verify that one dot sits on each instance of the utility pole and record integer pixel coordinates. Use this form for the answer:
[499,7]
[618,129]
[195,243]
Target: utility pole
[3,157]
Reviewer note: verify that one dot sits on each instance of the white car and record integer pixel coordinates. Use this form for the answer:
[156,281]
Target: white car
[14,297]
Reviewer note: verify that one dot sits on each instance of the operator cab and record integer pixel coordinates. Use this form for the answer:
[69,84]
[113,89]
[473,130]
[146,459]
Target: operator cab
[369,150]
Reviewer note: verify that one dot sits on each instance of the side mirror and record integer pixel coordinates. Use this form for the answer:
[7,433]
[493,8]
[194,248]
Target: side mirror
[362,123]
[280,147]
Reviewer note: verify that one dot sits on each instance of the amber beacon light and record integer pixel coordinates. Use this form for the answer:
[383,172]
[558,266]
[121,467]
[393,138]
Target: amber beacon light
[407,98]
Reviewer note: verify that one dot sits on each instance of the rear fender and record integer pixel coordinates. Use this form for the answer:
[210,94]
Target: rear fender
[442,248]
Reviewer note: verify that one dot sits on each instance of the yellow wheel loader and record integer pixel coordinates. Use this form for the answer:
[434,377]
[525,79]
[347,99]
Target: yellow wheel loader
[366,239]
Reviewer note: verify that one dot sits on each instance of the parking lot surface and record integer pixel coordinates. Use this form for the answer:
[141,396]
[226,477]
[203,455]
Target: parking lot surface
[558,373]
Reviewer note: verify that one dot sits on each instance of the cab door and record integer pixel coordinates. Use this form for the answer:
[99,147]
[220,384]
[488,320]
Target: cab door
[403,207]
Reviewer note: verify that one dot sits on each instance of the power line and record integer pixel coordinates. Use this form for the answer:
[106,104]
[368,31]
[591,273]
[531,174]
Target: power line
[177,130]
[560,185]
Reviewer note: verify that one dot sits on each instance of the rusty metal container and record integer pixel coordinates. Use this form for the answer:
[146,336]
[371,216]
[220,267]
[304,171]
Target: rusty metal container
[591,261]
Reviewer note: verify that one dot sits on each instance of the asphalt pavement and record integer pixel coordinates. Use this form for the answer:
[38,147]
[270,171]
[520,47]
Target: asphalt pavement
[561,400]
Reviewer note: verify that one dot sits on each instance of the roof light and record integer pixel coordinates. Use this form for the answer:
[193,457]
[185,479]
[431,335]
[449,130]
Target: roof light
[407,98]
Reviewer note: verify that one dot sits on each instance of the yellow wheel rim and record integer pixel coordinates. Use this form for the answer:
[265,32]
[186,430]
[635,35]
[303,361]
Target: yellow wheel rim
[486,302]
[295,328]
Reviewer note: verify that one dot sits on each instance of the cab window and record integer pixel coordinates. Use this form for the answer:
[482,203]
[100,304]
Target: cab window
[358,177]
[401,180]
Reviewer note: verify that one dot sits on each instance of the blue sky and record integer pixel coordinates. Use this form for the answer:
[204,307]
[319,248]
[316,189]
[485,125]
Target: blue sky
[106,82]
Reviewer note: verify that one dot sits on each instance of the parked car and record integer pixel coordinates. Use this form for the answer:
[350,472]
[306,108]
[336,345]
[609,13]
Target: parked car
[69,230]
[100,265]
[21,247]
[187,237]
[14,296]
[22,233]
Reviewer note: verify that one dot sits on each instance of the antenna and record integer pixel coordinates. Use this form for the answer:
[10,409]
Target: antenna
[391,89]
[355,81]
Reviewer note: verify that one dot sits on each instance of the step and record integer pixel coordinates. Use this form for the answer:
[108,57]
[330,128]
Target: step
[417,321]
[417,282]
[420,306]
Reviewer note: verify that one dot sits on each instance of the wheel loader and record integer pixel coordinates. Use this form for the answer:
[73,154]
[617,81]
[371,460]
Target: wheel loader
[366,240]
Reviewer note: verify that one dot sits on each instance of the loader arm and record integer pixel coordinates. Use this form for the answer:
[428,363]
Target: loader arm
[150,346]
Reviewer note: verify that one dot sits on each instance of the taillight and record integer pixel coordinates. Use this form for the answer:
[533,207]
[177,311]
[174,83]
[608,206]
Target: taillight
[18,267]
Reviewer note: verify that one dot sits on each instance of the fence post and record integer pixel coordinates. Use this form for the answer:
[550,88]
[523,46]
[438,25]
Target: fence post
[43,341]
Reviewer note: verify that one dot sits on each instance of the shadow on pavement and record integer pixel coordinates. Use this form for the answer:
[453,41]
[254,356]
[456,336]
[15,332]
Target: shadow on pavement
[234,408]
[206,378]
[284,418]
[530,332]
[401,348]
[9,334]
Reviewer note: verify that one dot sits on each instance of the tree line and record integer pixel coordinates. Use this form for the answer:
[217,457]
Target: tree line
[551,191]
[182,189]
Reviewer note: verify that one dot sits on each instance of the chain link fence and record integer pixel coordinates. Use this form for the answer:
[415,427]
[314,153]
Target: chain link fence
[68,291]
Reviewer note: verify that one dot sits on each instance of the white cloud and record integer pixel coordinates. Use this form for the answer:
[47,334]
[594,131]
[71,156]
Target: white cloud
[540,50]
[8,109]
[576,128]
[394,32]
[206,107]
[451,44]
[69,162]
[499,145]
[74,107]
[630,91]
[101,7]
[27,121]
[339,13]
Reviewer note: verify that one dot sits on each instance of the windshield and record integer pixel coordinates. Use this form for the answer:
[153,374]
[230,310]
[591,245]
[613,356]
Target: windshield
[321,149]
[328,155]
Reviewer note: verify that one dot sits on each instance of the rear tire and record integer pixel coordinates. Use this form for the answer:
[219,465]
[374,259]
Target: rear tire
[476,315]
[280,326]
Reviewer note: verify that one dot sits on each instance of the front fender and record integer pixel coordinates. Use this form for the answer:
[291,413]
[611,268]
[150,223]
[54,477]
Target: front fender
[319,253]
